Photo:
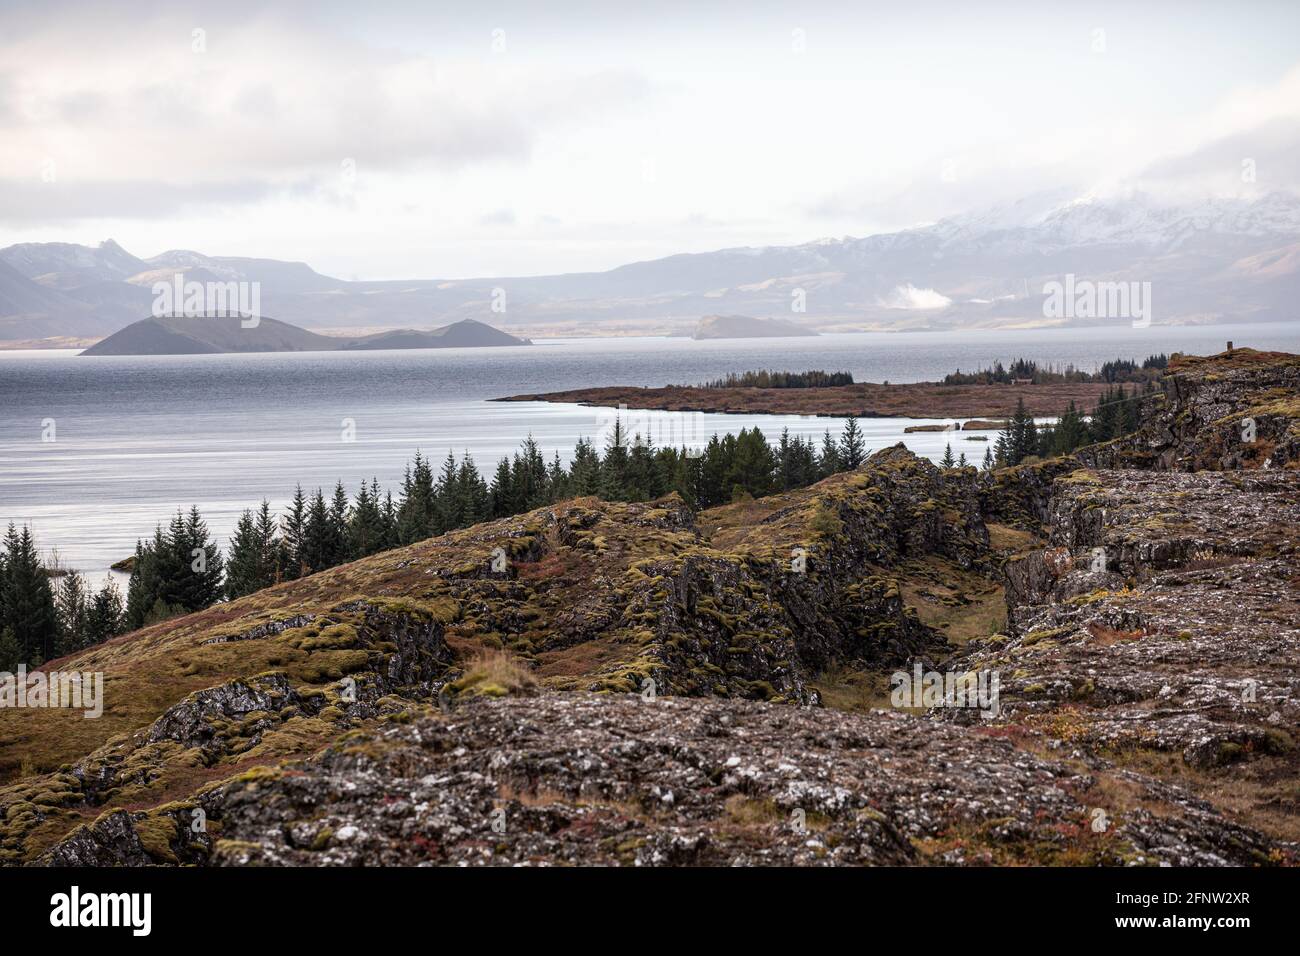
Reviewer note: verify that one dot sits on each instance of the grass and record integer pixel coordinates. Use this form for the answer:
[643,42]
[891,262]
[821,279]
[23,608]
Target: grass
[494,674]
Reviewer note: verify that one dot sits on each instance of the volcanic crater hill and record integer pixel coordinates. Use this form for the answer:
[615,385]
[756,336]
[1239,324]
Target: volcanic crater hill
[642,684]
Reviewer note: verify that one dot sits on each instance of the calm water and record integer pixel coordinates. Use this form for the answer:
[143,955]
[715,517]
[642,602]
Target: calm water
[137,437]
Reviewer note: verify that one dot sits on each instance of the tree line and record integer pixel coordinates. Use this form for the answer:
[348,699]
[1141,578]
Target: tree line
[1117,413]
[769,379]
[46,614]
[1111,373]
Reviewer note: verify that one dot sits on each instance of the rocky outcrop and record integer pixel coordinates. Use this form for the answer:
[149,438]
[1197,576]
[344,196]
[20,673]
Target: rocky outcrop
[1238,410]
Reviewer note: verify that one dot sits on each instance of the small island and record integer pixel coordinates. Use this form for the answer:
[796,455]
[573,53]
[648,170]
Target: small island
[746,327]
[180,335]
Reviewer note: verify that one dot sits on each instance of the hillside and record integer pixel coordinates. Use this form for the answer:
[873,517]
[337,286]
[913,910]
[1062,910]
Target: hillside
[196,336]
[638,684]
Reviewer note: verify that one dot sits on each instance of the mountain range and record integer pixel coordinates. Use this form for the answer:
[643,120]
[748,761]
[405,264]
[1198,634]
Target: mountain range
[1226,260]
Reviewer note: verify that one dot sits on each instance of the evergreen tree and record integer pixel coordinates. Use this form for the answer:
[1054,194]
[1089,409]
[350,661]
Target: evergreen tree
[294,530]
[1022,436]
[584,473]
[988,459]
[557,481]
[753,465]
[391,539]
[105,617]
[253,559]
[852,450]
[475,498]
[714,466]
[193,566]
[366,522]
[28,603]
[948,461]
[642,478]
[829,462]
[613,468]
[340,550]
[11,654]
[503,490]
[416,514]
[447,497]
[317,536]
[72,605]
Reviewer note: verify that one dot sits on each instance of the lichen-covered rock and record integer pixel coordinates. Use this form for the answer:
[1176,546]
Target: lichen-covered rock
[1165,618]
[588,779]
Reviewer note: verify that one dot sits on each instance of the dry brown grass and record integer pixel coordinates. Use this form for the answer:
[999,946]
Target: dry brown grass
[494,673]
[866,399]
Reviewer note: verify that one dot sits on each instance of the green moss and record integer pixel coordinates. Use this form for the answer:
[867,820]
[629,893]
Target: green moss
[156,833]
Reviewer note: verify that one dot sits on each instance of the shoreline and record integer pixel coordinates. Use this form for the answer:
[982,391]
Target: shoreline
[923,400]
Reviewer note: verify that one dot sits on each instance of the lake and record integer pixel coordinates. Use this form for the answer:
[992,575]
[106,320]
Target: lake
[137,437]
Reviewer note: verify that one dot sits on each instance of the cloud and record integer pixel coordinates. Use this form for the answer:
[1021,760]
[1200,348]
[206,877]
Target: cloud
[908,296]
[264,102]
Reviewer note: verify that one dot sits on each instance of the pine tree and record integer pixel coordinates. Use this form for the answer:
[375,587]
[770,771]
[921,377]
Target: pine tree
[1002,448]
[557,481]
[272,561]
[199,584]
[317,547]
[475,498]
[366,523]
[11,654]
[948,461]
[72,605]
[584,473]
[252,563]
[447,497]
[613,468]
[416,514]
[105,617]
[339,549]
[852,451]
[294,525]
[988,459]
[503,490]
[829,462]
[28,598]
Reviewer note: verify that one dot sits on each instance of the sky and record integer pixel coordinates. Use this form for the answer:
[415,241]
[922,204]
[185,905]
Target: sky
[446,140]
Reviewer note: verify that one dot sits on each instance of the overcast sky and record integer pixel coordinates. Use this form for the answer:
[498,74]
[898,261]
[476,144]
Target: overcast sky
[433,139]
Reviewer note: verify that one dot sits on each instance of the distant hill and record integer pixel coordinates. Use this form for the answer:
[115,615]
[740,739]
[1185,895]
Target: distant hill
[202,336]
[745,327]
[467,333]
